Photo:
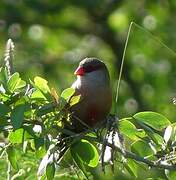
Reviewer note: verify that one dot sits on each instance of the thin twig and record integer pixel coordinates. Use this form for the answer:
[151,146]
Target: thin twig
[121,67]
[83,123]
[9,171]
[131,155]
[125,153]
[155,38]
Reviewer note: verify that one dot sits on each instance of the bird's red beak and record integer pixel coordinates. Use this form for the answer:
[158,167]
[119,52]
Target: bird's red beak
[79,71]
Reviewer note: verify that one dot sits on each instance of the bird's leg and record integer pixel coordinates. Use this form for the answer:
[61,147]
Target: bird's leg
[112,136]
[105,140]
[100,129]
[112,132]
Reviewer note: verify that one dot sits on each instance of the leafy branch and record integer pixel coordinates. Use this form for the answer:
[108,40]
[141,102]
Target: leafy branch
[125,153]
[34,117]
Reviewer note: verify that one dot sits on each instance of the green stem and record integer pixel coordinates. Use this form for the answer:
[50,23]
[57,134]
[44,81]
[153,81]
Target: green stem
[8,171]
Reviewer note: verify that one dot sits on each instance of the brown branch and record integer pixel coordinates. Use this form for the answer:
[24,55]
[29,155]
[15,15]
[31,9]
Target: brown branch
[125,153]
[128,154]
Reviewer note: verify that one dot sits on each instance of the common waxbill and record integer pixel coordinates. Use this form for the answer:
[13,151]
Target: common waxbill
[93,84]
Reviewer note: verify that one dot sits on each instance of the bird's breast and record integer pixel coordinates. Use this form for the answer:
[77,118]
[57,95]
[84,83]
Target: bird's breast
[95,101]
[93,107]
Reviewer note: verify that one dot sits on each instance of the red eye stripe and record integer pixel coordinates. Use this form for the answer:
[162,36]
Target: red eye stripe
[88,69]
[82,70]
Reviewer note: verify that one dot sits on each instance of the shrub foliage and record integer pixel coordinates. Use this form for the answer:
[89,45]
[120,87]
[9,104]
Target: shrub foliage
[33,134]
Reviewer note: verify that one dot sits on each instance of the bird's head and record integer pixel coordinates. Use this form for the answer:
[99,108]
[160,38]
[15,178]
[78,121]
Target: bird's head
[90,65]
[91,72]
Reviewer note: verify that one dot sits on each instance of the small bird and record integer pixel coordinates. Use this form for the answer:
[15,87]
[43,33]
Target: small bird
[93,84]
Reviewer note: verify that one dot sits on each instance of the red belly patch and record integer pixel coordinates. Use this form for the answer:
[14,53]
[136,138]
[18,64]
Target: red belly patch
[93,116]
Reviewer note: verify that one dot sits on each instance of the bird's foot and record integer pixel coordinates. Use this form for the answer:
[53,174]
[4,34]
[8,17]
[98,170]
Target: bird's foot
[110,135]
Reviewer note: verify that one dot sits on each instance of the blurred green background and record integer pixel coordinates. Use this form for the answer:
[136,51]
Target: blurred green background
[51,37]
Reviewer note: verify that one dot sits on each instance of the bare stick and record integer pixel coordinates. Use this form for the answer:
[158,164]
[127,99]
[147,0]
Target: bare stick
[154,37]
[121,67]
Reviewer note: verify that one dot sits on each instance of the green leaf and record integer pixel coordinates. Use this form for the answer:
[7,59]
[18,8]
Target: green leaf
[170,174]
[152,119]
[43,177]
[40,152]
[23,100]
[128,129]
[84,152]
[21,84]
[12,157]
[16,136]
[131,167]
[3,77]
[47,108]
[42,89]
[38,95]
[50,171]
[142,148]
[173,138]
[158,140]
[13,99]
[38,142]
[4,97]
[4,109]
[30,130]
[168,133]
[17,116]
[67,93]
[74,100]
[15,82]
[79,163]
[42,84]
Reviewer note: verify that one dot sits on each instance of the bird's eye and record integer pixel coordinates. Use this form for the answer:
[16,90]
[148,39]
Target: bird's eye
[90,68]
